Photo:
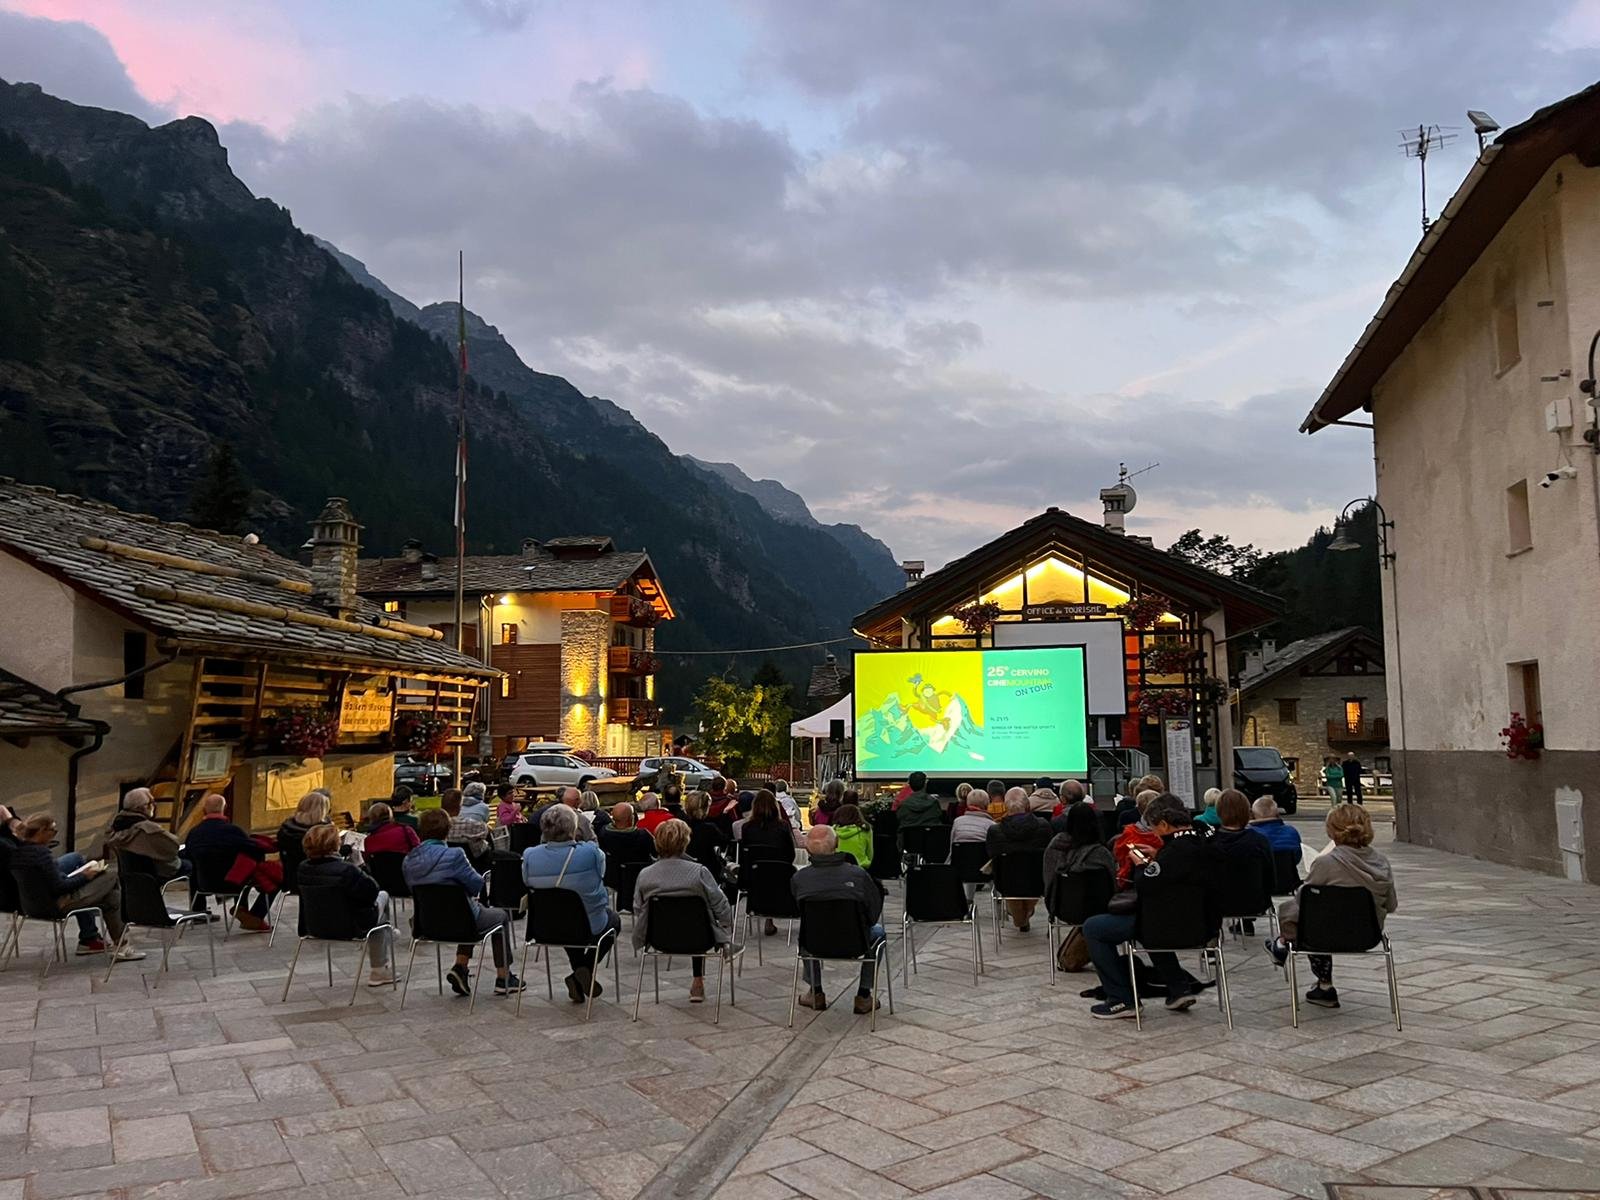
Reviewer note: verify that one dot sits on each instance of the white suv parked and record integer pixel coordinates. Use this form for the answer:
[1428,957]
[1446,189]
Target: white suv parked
[540,768]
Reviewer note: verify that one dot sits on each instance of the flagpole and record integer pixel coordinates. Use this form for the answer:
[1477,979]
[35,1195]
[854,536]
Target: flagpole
[461,470]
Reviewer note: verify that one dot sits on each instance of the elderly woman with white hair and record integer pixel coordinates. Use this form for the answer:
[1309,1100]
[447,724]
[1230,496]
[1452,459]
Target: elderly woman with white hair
[1209,815]
[561,861]
[1019,829]
[475,802]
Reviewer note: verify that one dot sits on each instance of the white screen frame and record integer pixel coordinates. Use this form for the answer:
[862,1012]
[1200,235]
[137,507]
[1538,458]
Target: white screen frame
[1103,656]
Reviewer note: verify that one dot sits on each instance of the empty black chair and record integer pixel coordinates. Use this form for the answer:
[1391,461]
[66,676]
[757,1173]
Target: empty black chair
[1286,869]
[558,920]
[934,896]
[1018,875]
[1336,922]
[681,925]
[36,901]
[144,903]
[1244,894]
[837,931]
[10,908]
[291,853]
[968,859]
[766,889]
[442,914]
[925,844]
[387,868]
[1176,919]
[506,888]
[1077,896]
[885,862]
[326,916]
[523,836]
[624,877]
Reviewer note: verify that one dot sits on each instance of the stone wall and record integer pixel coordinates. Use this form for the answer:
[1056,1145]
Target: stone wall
[1321,700]
[585,641]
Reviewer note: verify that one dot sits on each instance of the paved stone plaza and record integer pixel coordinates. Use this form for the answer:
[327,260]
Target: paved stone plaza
[210,1088]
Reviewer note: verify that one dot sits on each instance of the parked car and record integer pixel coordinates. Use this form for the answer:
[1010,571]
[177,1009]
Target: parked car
[419,774]
[692,773]
[541,768]
[1261,771]
[509,762]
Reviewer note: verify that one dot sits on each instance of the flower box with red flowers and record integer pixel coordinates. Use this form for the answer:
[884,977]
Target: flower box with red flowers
[422,733]
[977,617]
[1523,738]
[305,731]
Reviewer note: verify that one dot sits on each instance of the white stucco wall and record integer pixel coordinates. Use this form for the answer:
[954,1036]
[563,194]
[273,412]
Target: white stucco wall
[1452,432]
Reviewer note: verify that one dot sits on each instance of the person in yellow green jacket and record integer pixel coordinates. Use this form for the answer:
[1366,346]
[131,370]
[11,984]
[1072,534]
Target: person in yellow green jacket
[855,835]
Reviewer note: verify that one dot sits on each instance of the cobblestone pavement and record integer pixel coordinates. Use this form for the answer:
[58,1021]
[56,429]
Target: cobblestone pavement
[210,1088]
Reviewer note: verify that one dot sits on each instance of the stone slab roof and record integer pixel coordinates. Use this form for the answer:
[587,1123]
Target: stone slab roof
[28,710]
[1303,651]
[534,571]
[49,530]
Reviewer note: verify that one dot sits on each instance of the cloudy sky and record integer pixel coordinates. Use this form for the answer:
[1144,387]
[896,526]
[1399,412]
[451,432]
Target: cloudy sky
[933,264]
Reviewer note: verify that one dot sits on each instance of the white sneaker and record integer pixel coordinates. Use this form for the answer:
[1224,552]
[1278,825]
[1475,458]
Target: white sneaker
[129,954]
[380,979]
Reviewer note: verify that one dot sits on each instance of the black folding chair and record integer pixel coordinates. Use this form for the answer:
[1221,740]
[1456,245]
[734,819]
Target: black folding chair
[524,835]
[442,914]
[837,931]
[1286,872]
[623,878]
[558,920]
[506,889]
[291,854]
[767,891]
[36,900]
[1077,896]
[387,868]
[1018,875]
[921,844]
[885,864]
[325,916]
[10,908]
[934,896]
[1246,896]
[968,859]
[1174,920]
[144,903]
[681,925]
[1339,922]
[211,869]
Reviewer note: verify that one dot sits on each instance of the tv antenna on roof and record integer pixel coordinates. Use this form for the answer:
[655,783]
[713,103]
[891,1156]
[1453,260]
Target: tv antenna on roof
[1123,474]
[1417,143]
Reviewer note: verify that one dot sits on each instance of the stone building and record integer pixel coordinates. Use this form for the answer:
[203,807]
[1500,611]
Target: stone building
[1471,381]
[144,652]
[571,624]
[1316,697]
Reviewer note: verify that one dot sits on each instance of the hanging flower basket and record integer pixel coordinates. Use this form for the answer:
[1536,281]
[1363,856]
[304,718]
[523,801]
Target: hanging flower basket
[1144,610]
[304,731]
[642,612]
[977,617]
[1169,702]
[1523,739]
[422,733]
[1168,658]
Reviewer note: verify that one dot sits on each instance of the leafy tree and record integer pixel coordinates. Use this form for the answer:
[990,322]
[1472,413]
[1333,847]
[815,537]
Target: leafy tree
[1215,553]
[221,501]
[745,726]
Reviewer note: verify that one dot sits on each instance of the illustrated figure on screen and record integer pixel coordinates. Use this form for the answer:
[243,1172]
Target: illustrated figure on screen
[942,718]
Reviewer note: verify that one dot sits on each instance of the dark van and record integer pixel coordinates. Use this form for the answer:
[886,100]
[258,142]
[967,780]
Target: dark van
[1261,771]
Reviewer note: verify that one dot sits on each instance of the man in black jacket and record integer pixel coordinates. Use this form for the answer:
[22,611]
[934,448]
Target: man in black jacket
[835,876]
[1185,861]
[1019,830]
[215,844]
[326,878]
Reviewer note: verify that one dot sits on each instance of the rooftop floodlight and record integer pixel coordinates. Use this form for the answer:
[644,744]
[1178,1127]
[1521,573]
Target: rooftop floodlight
[1482,125]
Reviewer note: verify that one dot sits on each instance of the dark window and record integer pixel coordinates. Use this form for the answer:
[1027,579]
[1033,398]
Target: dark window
[1288,712]
[135,654]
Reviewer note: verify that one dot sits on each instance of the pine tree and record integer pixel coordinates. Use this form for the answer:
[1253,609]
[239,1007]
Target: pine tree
[221,500]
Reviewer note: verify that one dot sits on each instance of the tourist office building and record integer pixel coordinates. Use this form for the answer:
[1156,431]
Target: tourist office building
[1156,632]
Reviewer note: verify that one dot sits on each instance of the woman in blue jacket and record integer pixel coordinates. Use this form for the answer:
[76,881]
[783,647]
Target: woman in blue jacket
[561,861]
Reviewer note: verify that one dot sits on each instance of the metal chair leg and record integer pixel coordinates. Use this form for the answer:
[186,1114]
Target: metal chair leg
[655,972]
[794,992]
[877,967]
[116,950]
[360,962]
[716,1012]
[478,978]
[1222,984]
[1294,991]
[1394,983]
[329,948]
[888,964]
[438,965]
[1133,985]
[410,963]
[293,962]
[638,995]
[523,972]
[977,954]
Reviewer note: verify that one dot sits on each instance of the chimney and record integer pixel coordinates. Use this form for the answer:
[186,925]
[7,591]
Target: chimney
[335,544]
[1252,662]
[530,547]
[428,566]
[1269,650]
[913,567]
[1115,499]
[411,552]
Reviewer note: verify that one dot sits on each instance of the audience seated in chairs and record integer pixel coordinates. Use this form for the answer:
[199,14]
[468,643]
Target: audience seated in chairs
[1245,853]
[828,802]
[1019,829]
[435,862]
[766,834]
[132,831]
[1073,793]
[507,811]
[832,875]
[1208,815]
[468,831]
[1139,833]
[853,834]
[919,807]
[401,804]
[475,802]
[561,861]
[91,887]
[572,798]
[973,822]
[1352,862]
[219,840]
[1077,848]
[1043,800]
[385,835]
[708,844]
[1185,859]
[623,841]
[589,809]
[312,811]
[1267,820]
[652,816]
[369,906]
[675,874]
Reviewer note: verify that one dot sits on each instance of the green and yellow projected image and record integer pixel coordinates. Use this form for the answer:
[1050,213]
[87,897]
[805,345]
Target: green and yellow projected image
[948,712]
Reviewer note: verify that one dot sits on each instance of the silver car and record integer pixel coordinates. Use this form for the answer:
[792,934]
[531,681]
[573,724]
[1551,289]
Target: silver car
[540,768]
[693,773]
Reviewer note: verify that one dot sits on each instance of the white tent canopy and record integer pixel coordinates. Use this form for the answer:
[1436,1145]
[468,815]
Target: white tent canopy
[817,725]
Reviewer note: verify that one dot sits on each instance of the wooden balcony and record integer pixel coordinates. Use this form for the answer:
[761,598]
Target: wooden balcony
[633,712]
[633,610]
[624,660]
[1374,732]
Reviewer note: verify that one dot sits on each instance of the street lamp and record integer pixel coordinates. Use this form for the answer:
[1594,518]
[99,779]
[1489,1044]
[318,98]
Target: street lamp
[1343,541]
